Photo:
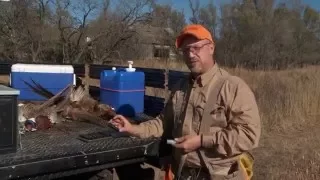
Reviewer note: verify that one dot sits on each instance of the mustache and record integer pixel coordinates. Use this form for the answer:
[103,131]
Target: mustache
[193,60]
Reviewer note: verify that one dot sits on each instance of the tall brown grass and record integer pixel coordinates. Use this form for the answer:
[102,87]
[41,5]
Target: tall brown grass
[289,103]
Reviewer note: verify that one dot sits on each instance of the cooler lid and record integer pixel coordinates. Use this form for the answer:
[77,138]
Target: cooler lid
[42,68]
[5,90]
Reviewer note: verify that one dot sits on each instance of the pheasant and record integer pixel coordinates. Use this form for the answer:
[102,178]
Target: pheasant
[73,103]
[37,116]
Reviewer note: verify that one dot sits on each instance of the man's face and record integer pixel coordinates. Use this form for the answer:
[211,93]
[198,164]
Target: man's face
[197,54]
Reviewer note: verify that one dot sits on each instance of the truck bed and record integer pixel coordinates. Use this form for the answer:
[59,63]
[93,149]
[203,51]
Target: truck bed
[59,152]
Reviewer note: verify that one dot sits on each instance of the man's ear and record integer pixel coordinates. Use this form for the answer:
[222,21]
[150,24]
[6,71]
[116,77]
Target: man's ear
[212,48]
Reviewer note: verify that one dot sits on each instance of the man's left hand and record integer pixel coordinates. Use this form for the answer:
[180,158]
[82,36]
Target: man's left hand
[188,143]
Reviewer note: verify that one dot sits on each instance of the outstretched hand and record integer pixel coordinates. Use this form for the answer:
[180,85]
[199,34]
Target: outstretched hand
[123,124]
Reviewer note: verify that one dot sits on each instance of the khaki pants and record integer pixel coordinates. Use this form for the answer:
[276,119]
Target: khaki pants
[200,174]
[194,174]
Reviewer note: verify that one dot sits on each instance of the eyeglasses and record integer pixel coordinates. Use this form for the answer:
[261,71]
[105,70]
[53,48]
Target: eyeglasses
[193,49]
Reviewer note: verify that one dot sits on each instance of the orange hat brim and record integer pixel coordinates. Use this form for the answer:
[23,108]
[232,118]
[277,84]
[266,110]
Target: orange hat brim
[181,37]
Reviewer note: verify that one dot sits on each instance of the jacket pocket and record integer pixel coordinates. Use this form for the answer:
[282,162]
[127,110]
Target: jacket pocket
[236,172]
[218,115]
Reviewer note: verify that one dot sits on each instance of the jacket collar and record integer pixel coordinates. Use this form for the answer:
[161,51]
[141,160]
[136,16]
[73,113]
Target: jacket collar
[205,78]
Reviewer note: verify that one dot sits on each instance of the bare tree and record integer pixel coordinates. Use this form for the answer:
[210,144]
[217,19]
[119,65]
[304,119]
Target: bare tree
[73,28]
[36,28]
[98,31]
[195,10]
[165,16]
[119,28]
[208,17]
[250,33]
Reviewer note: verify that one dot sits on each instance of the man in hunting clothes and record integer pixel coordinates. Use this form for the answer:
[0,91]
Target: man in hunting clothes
[212,116]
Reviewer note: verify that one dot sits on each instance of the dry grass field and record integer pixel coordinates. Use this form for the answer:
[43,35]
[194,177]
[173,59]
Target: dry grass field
[289,103]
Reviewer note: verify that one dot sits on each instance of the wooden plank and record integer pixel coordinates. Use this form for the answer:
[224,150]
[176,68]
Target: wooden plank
[79,70]
[5,68]
[153,105]
[174,77]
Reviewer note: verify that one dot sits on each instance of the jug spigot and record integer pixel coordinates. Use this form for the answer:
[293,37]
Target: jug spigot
[130,64]
[130,68]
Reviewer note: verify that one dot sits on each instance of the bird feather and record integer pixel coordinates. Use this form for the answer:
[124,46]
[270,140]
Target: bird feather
[36,90]
[53,99]
[40,87]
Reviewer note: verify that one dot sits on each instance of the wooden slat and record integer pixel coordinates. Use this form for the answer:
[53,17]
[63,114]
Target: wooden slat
[174,77]
[5,68]
[79,69]
[153,105]
[95,70]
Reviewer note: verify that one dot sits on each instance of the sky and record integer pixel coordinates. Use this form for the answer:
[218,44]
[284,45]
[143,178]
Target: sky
[184,4]
[313,3]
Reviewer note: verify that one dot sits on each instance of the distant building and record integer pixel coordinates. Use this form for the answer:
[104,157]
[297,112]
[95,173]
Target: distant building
[156,42]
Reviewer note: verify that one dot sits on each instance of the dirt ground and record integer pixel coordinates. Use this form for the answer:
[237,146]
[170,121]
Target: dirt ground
[159,175]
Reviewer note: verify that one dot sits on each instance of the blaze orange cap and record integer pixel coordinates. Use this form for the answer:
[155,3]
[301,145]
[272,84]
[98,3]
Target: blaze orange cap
[195,30]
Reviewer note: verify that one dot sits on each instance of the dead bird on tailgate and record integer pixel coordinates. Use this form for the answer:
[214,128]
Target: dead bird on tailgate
[40,116]
[72,103]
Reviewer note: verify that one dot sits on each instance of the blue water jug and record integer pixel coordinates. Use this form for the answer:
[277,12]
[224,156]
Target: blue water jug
[123,89]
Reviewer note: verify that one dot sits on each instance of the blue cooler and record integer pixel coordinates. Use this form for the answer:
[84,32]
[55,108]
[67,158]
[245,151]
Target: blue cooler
[123,89]
[52,77]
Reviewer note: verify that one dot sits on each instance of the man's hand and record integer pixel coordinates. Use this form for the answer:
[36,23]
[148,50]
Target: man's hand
[123,124]
[188,143]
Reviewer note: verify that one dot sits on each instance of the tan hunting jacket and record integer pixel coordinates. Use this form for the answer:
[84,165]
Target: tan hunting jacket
[235,120]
